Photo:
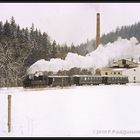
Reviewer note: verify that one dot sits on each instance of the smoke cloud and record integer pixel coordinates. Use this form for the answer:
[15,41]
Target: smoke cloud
[92,6]
[96,7]
[120,49]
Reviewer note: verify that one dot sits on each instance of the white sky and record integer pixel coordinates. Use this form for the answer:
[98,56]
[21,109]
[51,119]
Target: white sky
[71,22]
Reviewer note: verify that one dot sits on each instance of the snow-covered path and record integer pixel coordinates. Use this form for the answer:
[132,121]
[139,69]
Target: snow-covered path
[73,111]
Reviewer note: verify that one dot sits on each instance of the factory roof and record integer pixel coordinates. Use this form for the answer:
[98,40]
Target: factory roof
[112,69]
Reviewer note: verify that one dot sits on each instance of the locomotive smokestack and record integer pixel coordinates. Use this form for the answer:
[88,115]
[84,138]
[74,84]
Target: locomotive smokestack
[98,30]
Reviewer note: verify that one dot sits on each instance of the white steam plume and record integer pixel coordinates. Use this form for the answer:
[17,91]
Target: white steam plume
[96,7]
[122,48]
[92,6]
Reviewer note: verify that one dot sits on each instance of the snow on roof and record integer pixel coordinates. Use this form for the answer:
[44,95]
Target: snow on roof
[86,75]
[115,75]
[118,69]
[112,69]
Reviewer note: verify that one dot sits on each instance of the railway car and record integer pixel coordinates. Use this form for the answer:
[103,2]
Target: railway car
[87,80]
[111,79]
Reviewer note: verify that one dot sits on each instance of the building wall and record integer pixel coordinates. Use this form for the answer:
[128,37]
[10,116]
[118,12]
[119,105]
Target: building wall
[130,63]
[133,74]
[110,72]
[105,72]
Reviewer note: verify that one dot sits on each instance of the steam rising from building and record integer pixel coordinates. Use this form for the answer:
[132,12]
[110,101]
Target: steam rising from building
[120,49]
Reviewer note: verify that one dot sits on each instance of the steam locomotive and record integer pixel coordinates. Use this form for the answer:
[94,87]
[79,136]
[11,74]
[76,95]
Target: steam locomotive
[78,80]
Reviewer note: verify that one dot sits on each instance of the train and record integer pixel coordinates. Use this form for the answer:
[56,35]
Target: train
[78,80]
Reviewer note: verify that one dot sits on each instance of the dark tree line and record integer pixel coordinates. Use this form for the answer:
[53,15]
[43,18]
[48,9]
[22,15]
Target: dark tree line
[74,71]
[124,32]
[21,47]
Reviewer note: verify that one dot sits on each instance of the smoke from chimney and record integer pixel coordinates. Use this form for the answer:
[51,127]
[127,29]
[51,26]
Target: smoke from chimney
[98,30]
[101,57]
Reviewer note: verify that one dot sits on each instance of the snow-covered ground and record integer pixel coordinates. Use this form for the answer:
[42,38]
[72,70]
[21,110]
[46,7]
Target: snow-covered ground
[72,111]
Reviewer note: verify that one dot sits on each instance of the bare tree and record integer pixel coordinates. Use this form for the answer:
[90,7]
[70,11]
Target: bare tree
[10,65]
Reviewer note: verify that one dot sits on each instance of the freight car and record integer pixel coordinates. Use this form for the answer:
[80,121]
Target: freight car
[53,81]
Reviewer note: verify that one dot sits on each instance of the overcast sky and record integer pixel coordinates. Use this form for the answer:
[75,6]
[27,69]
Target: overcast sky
[71,22]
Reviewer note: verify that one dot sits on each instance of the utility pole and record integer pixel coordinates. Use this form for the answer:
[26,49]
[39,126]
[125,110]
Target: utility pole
[62,78]
[9,113]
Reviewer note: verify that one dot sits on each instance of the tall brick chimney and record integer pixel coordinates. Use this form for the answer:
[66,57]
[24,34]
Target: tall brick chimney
[98,30]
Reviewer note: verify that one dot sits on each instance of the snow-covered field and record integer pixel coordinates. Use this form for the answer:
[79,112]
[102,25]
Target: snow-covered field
[72,111]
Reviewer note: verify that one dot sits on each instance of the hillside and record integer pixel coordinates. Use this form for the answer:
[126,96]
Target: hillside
[124,32]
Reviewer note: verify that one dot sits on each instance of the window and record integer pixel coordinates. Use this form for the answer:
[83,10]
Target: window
[134,78]
[106,73]
[123,61]
[119,73]
[114,72]
[134,69]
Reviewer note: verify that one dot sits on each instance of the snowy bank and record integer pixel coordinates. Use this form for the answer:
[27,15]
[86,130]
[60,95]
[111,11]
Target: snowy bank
[76,111]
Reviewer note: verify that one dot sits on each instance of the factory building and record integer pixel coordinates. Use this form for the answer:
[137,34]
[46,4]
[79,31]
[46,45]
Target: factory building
[123,67]
[133,74]
[109,71]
